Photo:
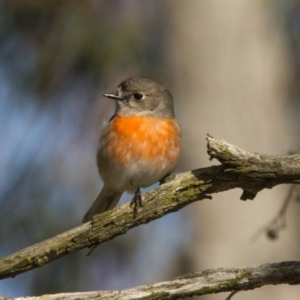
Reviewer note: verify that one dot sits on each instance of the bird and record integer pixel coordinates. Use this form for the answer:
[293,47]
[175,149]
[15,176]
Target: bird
[139,146]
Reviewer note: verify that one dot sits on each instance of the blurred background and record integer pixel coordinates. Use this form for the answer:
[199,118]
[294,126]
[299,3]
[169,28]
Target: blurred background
[234,70]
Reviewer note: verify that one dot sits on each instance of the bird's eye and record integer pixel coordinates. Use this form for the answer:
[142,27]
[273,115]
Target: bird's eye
[138,96]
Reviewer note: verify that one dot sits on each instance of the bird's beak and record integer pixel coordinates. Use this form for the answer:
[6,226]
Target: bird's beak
[112,96]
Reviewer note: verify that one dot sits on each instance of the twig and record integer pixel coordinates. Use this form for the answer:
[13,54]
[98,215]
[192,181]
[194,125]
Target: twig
[231,295]
[278,223]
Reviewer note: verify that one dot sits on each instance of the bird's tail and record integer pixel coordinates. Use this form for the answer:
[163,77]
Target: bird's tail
[106,200]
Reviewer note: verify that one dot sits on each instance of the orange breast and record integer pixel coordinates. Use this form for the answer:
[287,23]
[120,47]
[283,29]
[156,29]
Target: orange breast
[144,138]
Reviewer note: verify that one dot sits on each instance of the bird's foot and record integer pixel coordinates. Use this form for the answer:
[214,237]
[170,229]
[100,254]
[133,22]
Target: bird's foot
[136,202]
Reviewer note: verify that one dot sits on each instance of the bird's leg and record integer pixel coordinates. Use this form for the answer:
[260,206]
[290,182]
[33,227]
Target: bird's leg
[136,202]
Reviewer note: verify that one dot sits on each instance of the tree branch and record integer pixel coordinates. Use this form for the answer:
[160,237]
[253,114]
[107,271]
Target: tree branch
[239,169]
[198,284]
[254,171]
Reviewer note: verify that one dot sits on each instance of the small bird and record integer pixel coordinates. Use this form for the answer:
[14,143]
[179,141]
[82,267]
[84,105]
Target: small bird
[139,146]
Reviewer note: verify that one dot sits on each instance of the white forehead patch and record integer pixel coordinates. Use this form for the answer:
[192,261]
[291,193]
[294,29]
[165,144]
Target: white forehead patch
[120,92]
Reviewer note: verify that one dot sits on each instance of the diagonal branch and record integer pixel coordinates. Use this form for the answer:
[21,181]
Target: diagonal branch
[198,284]
[239,169]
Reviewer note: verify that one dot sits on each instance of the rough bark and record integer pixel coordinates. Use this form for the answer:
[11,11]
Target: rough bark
[198,284]
[239,169]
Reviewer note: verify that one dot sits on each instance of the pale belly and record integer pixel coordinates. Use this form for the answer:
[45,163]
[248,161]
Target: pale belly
[140,152]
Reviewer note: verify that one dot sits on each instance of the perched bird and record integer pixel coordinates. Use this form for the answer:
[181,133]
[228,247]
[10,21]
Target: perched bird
[139,146]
